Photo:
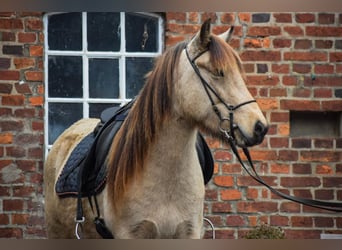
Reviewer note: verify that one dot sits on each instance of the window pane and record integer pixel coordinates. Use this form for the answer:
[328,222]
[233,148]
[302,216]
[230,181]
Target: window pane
[95,109]
[103,78]
[136,69]
[62,116]
[135,27]
[65,76]
[103,31]
[65,31]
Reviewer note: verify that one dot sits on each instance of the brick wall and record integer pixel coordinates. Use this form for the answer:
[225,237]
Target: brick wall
[281,53]
[293,61]
[21,125]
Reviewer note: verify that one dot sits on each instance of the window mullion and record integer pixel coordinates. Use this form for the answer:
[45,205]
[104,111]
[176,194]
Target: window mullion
[85,67]
[122,75]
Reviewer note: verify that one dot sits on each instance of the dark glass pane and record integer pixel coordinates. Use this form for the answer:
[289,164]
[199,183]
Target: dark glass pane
[65,76]
[103,31]
[136,24]
[95,109]
[62,116]
[103,78]
[65,31]
[136,69]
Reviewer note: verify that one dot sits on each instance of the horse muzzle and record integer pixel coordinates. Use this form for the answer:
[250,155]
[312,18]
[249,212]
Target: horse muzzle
[243,140]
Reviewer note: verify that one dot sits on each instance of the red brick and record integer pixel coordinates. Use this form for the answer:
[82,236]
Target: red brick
[9,75]
[324,18]
[34,75]
[281,68]
[262,80]
[16,152]
[11,24]
[36,50]
[224,234]
[230,194]
[301,221]
[332,182]
[227,18]
[300,181]
[172,40]
[220,207]
[323,143]
[23,63]
[280,116]
[11,233]
[36,100]
[263,55]
[324,169]
[305,56]
[253,207]
[280,168]
[294,30]
[5,88]
[301,168]
[27,37]
[176,16]
[320,156]
[244,17]
[289,80]
[323,81]
[289,207]
[19,219]
[263,31]
[275,92]
[301,92]
[252,193]
[278,220]
[324,69]
[35,24]
[211,15]
[305,18]
[301,68]
[323,31]
[224,181]
[299,105]
[304,193]
[323,222]
[335,56]
[13,205]
[323,44]
[8,36]
[324,194]
[211,195]
[235,221]
[302,234]
[247,181]
[222,155]
[282,17]
[303,44]
[193,17]
[4,220]
[288,155]
[13,100]
[279,142]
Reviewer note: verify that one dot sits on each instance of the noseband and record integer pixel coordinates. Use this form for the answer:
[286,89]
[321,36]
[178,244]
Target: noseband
[208,88]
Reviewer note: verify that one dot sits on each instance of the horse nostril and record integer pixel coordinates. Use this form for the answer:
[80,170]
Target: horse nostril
[260,129]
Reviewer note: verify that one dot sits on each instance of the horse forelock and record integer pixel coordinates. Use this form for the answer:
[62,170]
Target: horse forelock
[223,57]
[129,150]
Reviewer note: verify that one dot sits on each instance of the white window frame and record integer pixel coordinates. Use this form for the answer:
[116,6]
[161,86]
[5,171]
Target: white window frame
[86,55]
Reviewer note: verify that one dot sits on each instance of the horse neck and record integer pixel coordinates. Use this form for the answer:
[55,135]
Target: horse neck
[174,149]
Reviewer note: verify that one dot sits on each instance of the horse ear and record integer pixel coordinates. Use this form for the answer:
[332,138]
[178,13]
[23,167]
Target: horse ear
[205,33]
[226,36]
[202,39]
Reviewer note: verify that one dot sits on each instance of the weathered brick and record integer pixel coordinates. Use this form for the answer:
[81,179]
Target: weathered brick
[299,105]
[13,100]
[300,181]
[23,62]
[323,143]
[280,168]
[211,15]
[235,221]
[280,116]
[6,88]
[12,50]
[323,44]
[34,76]
[325,18]
[261,17]
[10,125]
[220,207]
[263,31]
[324,194]
[11,233]
[5,63]
[301,168]
[323,81]
[304,17]
[305,56]
[301,68]
[288,155]
[294,30]
[224,181]
[230,194]
[282,43]
[253,207]
[335,56]
[301,221]
[11,24]
[278,220]
[244,17]
[323,222]
[338,44]
[268,103]
[324,93]
[9,75]
[332,182]
[262,80]
[193,17]
[27,37]
[324,69]
[303,44]
[320,156]
[176,16]
[279,142]
[289,207]
[227,18]
[35,24]
[222,155]
[36,50]
[323,31]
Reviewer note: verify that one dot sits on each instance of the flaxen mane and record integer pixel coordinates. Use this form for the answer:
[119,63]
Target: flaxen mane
[128,152]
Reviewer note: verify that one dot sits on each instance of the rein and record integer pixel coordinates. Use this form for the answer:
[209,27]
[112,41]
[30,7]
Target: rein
[229,134]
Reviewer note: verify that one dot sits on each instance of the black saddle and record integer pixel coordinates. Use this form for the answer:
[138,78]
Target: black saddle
[85,169]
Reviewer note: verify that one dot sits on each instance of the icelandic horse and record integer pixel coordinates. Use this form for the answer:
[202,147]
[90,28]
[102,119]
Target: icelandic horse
[154,183]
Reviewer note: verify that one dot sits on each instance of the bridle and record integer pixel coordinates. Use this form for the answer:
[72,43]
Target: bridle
[229,134]
[209,89]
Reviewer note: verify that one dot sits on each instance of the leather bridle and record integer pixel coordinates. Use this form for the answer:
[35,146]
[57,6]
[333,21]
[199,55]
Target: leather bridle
[229,134]
[209,89]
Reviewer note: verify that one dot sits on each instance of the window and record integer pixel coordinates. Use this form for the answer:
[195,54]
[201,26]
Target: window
[315,124]
[94,61]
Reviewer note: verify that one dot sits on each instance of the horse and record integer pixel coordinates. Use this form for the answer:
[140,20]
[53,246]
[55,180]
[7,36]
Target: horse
[154,186]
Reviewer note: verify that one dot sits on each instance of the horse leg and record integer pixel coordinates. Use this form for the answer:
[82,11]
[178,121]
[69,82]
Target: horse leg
[145,230]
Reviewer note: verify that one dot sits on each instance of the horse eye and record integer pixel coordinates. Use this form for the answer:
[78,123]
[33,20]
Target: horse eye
[220,73]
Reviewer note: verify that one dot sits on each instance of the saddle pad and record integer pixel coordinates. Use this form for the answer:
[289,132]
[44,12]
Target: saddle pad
[68,181]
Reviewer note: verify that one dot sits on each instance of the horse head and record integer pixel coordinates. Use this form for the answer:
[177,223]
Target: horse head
[212,93]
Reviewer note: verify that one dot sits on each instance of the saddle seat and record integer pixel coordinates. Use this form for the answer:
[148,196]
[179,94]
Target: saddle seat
[84,173]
